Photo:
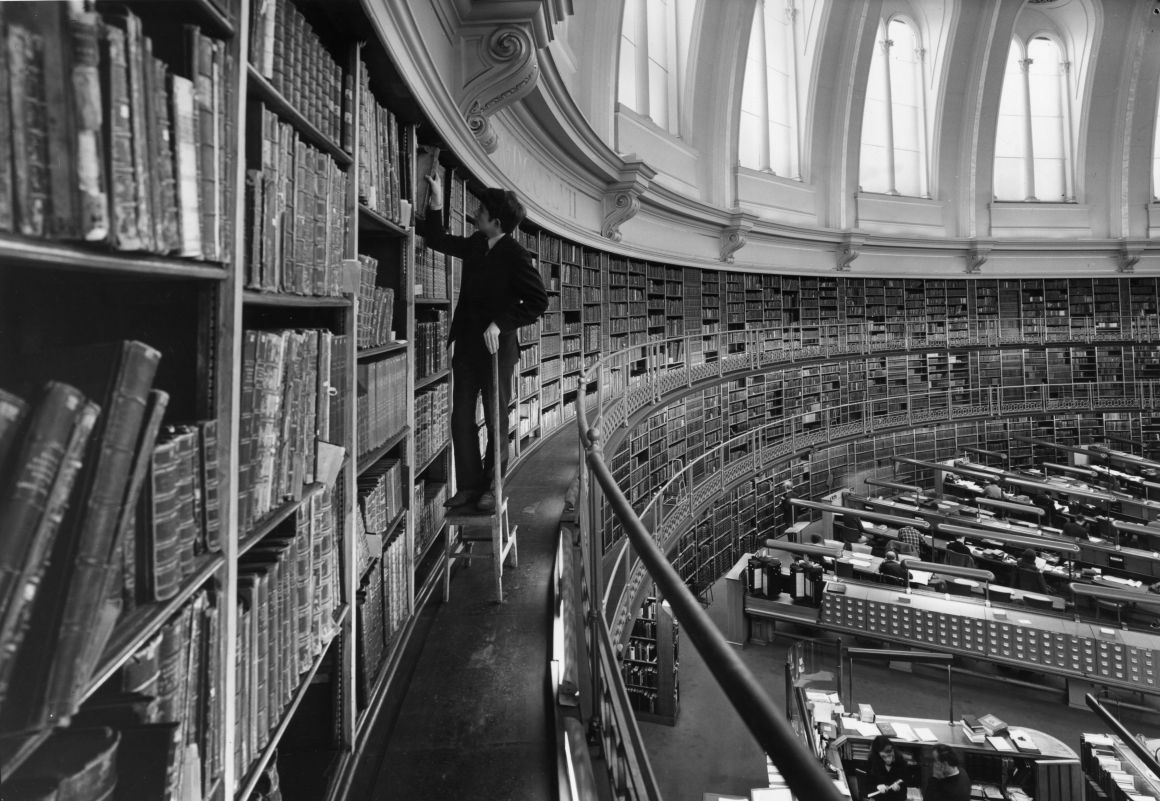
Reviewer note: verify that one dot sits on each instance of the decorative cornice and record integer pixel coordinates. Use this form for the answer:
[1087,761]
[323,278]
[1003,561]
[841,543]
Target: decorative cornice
[849,248]
[735,234]
[977,256]
[622,198]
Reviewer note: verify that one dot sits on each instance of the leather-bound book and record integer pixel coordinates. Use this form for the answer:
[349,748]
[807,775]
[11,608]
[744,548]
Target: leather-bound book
[25,52]
[118,137]
[33,506]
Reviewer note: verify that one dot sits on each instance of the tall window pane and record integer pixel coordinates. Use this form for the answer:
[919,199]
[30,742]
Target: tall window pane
[626,85]
[768,131]
[1010,139]
[874,171]
[906,109]
[1045,78]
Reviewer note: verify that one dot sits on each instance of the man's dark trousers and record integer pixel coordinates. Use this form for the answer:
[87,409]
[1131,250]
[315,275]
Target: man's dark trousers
[471,377]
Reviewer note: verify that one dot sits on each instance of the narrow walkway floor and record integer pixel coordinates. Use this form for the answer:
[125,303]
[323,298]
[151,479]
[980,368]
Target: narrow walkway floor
[474,721]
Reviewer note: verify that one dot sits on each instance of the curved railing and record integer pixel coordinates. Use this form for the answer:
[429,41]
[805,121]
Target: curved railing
[637,377]
[642,376]
[769,726]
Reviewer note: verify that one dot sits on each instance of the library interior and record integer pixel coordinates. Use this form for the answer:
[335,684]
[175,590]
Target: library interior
[830,468]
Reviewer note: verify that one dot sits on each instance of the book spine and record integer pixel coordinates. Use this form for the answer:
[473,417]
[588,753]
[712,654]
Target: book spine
[119,136]
[7,212]
[153,127]
[162,552]
[200,49]
[185,151]
[138,120]
[90,145]
[29,129]
[13,413]
[60,125]
[209,460]
[168,212]
[47,483]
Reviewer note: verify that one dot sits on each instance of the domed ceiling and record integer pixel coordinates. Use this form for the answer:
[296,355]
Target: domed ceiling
[775,139]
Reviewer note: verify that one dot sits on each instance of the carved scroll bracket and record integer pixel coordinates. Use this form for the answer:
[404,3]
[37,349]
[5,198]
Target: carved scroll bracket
[622,198]
[735,234]
[502,67]
[848,250]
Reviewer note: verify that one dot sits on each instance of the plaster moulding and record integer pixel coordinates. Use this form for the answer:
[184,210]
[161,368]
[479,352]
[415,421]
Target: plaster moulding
[977,256]
[848,250]
[622,198]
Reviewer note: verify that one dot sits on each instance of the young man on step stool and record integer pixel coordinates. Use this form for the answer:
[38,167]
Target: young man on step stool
[500,291]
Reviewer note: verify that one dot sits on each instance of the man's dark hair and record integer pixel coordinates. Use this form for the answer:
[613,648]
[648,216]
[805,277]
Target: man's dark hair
[946,755]
[503,205]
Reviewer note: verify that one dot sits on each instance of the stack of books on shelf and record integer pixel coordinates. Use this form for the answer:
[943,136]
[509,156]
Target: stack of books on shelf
[431,411]
[381,400]
[288,598]
[295,218]
[428,506]
[376,307]
[287,410]
[381,495]
[287,51]
[431,345]
[384,163]
[108,143]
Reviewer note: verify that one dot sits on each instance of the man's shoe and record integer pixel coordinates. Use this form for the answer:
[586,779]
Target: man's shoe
[461,498]
[486,502]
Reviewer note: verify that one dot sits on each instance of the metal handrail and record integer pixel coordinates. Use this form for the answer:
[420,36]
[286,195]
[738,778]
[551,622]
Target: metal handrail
[768,725]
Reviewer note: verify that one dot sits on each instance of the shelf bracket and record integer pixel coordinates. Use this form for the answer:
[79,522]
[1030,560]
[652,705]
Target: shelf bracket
[848,249]
[622,199]
[735,234]
[977,256]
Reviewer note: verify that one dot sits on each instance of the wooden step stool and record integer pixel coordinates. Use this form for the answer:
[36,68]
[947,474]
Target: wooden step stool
[469,526]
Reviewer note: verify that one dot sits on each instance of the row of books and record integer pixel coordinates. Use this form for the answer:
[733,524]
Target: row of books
[384,160]
[288,597]
[295,225]
[287,51]
[376,307]
[151,732]
[383,608]
[431,345]
[109,143]
[381,401]
[431,414]
[429,513]
[380,495]
[1112,766]
[73,459]
[287,415]
[430,270]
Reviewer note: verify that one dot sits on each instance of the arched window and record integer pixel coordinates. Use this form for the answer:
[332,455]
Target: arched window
[654,44]
[894,152]
[768,133]
[1033,153]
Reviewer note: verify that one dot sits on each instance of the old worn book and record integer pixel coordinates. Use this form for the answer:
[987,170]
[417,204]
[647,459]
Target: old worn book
[185,149]
[29,129]
[90,182]
[13,415]
[118,136]
[33,506]
[7,214]
[119,376]
[135,59]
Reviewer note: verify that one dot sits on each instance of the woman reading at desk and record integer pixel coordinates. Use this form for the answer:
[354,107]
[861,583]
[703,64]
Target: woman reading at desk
[885,778]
